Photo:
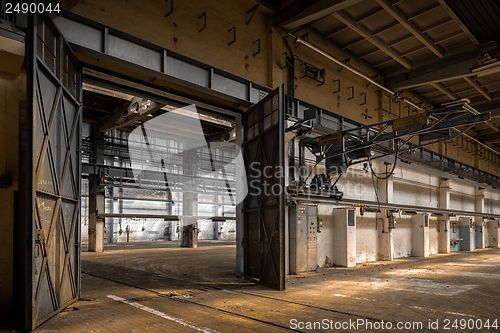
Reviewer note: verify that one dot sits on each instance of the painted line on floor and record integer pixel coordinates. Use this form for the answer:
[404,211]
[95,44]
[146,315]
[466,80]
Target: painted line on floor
[164,315]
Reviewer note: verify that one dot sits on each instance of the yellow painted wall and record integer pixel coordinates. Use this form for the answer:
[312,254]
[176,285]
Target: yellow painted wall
[9,108]
[179,31]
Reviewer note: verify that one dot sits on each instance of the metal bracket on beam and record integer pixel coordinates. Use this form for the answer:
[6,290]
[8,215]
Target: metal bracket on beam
[345,61]
[364,99]
[233,29]
[374,77]
[338,86]
[352,92]
[204,15]
[252,10]
[258,44]
[171,8]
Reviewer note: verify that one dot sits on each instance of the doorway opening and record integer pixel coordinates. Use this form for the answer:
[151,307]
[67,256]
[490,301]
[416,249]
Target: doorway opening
[159,182]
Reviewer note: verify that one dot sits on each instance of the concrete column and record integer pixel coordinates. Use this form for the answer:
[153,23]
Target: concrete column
[480,241]
[344,237]
[420,235]
[96,194]
[189,235]
[494,233]
[386,187]
[96,206]
[444,222]
[386,240]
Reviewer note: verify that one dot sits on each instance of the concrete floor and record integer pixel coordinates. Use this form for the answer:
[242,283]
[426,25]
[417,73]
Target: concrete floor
[159,287]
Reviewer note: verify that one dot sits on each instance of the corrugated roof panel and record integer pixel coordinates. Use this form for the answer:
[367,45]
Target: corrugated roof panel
[479,16]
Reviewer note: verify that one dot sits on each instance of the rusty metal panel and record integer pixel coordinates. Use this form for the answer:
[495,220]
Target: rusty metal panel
[54,223]
[263,212]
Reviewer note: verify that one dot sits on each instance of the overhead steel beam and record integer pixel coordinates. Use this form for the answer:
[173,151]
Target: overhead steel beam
[377,41]
[411,27]
[106,44]
[113,83]
[444,90]
[479,88]
[299,13]
[458,66]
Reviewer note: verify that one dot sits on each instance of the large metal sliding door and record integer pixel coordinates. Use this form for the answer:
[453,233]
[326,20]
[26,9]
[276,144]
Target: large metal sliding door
[54,225]
[263,212]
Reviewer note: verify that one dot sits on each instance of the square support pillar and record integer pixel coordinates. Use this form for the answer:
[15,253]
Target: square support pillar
[420,235]
[444,245]
[189,235]
[344,237]
[480,240]
[386,187]
[96,194]
[96,206]
[494,233]
[385,237]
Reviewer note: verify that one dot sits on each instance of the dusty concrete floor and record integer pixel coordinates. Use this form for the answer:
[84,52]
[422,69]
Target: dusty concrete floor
[159,287]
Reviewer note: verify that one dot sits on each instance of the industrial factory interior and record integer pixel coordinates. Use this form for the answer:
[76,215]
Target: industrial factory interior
[249,166]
